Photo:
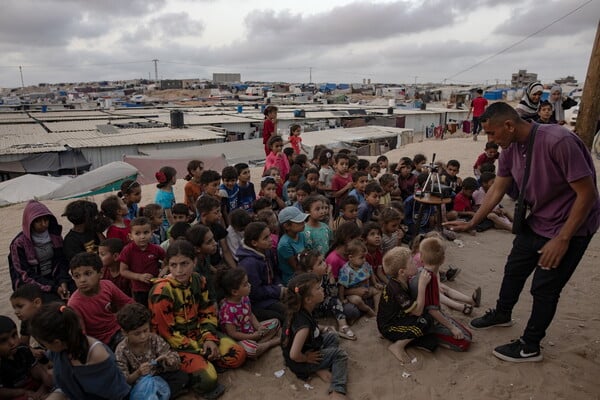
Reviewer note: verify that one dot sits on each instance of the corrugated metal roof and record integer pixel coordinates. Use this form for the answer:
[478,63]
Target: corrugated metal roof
[194,119]
[16,130]
[42,141]
[51,115]
[8,117]
[86,125]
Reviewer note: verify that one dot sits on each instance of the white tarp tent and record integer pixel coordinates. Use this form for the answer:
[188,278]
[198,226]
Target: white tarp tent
[344,137]
[29,187]
[99,180]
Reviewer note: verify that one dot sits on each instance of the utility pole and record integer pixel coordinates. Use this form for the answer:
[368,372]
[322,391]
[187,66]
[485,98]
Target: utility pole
[21,72]
[155,61]
[589,108]
[309,74]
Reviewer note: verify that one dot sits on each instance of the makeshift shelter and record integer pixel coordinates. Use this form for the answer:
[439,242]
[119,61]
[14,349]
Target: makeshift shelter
[367,140]
[69,162]
[29,187]
[107,178]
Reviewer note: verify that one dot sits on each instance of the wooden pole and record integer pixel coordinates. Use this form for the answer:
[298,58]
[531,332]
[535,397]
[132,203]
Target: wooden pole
[589,108]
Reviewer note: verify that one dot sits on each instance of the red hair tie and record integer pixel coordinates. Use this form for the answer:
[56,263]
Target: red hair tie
[160,177]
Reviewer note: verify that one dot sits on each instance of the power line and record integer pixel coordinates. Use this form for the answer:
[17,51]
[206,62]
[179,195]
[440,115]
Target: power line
[504,50]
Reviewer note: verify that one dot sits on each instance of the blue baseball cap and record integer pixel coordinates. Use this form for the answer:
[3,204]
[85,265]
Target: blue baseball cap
[292,214]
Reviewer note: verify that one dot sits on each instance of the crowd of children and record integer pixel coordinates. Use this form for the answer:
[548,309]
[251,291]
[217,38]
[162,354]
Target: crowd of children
[180,291]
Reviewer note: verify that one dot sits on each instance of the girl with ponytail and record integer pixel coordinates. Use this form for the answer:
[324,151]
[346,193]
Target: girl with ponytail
[308,348]
[83,367]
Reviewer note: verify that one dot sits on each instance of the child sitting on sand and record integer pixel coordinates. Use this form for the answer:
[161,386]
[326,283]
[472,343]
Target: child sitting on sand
[450,333]
[307,348]
[400,319]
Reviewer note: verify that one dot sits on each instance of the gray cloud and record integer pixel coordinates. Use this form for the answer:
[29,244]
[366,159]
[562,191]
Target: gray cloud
[527,18]
[392,41]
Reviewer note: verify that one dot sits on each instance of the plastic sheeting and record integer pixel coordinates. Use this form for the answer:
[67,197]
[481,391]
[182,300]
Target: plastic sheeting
[29,187]
[103,179]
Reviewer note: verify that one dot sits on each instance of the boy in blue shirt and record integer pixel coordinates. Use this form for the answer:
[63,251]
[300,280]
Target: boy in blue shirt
[246,192]
[229,189]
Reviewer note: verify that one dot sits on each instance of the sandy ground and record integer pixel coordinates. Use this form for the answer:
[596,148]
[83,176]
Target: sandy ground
[571,348]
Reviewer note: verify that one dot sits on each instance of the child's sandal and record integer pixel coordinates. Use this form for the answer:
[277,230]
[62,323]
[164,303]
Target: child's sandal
[346,333]
[467,309]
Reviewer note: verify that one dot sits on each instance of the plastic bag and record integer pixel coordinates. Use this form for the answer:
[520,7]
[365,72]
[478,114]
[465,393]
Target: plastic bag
[150,387]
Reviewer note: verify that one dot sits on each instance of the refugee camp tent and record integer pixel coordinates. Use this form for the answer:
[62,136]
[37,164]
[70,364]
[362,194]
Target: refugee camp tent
[355,138]
[29,187]
[101,180]
[247,151]
[69,162]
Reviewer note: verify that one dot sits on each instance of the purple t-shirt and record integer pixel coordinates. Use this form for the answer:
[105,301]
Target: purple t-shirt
[559,157]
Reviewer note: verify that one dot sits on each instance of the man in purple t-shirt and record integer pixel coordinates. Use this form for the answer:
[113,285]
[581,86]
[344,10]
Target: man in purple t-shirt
[564,215]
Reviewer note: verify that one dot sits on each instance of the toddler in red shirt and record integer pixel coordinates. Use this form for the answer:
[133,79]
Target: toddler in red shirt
[140,259]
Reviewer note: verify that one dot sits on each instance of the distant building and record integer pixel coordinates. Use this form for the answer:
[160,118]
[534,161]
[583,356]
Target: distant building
[226,78]
[566,80]
[171,84]
[523,78]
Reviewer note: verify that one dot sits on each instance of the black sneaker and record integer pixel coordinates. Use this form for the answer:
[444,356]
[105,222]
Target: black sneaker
[491,318]
[518,351]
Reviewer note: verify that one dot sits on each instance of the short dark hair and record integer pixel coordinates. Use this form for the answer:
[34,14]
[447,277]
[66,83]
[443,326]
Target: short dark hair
[28,291]
[7,325]
[470,183]
[359,174]
[304,186]
[491,145]
[180,209]
[341,156]
[487,167]
[288,151]
[294,128]
[386,178]
[207,204]
[296,170]
[311,171]
[453,163]
[499,111]
[382,158]
[419,158]
[485,177]
[229,173]
[261,203]
[373,186]
[239,218]
[239,167]
[362,164]
[347,201]
[132,316]
[480,91]
[140,221]
[115,245]
[209,176]
[149,211]
[230,279]
[85,259]
[178,229]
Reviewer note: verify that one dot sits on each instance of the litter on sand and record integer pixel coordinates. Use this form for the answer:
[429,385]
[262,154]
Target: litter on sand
[308,387]
[405,374]
[459,243]
[280,373]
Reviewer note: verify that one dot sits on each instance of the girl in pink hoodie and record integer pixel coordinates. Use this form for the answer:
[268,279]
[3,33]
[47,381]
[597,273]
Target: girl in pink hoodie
[36,254]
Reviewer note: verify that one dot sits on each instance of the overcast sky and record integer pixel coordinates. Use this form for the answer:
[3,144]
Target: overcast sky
[342,40]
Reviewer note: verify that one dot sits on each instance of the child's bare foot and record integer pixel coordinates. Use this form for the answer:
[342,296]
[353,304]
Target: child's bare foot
[337,395]
[399,351]
[324,374]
